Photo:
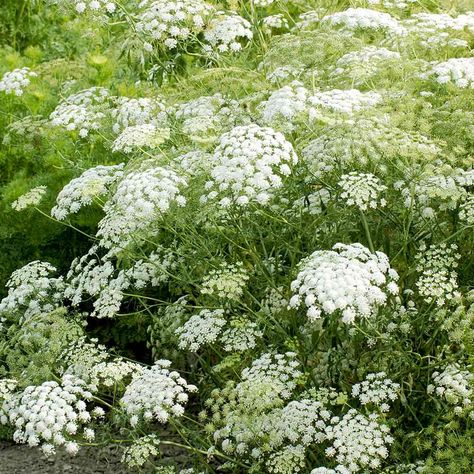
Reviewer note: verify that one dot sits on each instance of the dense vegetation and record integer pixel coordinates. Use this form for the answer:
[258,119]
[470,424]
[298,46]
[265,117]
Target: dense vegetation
[243,230]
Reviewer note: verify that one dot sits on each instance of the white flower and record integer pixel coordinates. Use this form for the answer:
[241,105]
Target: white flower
[458,71]
[358,442]
[364,18]
[32,290]
[201,329]
[14,82]
[170,22]
[141,136]
[248,163]
[81,191]
[140,198]
[30,199]
[438,278]
[454,385]
[49,414]
[376,389]
[348,279]
[362,190]
[225,33]
[156,393]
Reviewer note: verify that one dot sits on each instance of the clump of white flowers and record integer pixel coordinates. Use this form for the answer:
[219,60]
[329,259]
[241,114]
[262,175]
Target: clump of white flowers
[141,450]
[96,276]
[93,6]
[458,71]
[30,199]
[241,336]
[14,82]
[278,22]
[376,389]
[248,164]
[466,210]
[364,141]
[362,190]
[50,415]
[270,377]
[171,22]
[7,388]
[358,442]
[206,116]
[361,65]
[82,111]
[93,364]
[140,198]
[438,278]
[348,279]
[81,191]
[32,290]
[226,282]
[156,394]
[142,110]
[141,136]
[455,386]
[353,19]
[226,32]
[346,101]
[284,105]
[201,329]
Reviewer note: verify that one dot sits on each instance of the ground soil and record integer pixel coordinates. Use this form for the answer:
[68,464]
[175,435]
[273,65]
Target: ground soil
[17,459]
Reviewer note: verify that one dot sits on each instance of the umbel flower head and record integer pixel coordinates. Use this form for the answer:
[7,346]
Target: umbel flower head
[348,279]
[249,163]
[140,198]
[81,191]
[170,23]
[14,82]
[50,414]
[156,393]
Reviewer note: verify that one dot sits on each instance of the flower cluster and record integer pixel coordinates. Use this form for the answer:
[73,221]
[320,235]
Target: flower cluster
[81,191]
[225,33]
[362,190]
[144,110]
[206,116]
[271,377]
[349,279]
[30,199]
[365,19]
[248,164]
[93,6]
[358,442]
[242,335]
[361,65]
[284,105]
[201,329]
[82,112]
[140,198]
[138,137]
[171,22]
[32,290]
[137,454]
[14,82]
[50,414]
[227,282]
[347,101]
[376,389]
[458,71]
[438,279]
[466,210]
[156,393]
[455,386]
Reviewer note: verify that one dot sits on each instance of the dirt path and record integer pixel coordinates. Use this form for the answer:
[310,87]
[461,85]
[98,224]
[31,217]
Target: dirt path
[17,459]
